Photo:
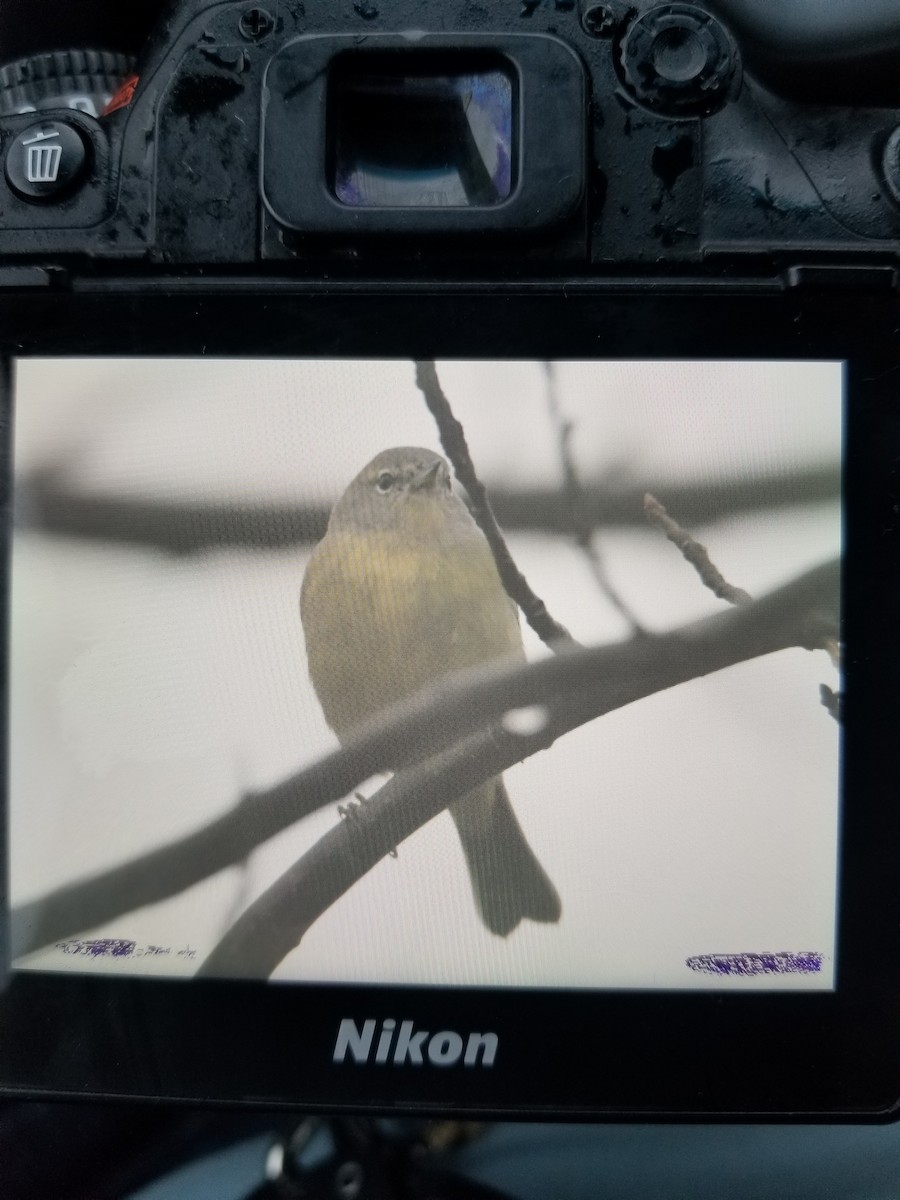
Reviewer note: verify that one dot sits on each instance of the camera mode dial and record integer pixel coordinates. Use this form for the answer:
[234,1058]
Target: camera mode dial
[79,79]
[679,60]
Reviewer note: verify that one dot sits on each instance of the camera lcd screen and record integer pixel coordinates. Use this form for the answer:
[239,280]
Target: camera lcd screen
[165,517]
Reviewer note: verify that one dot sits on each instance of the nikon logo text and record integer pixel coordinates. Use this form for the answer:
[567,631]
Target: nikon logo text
[408,1045]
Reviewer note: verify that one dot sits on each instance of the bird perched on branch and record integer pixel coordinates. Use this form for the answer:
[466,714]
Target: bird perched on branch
[401,591]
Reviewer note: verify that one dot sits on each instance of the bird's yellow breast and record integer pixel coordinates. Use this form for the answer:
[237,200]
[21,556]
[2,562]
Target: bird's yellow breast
[382,618]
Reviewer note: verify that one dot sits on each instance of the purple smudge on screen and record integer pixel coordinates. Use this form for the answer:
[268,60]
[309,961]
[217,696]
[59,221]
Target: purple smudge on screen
[98,947]
[782,962]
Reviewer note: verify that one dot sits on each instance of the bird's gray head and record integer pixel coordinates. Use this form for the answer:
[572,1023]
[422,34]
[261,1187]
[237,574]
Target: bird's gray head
[391,489]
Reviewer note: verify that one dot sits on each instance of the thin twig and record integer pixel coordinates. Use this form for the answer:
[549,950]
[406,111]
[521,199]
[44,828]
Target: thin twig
[696,554]
[574,687]
[453,439]
[582,526]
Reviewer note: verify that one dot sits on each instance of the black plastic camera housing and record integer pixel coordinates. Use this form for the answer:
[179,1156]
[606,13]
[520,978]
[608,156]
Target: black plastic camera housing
[639,140]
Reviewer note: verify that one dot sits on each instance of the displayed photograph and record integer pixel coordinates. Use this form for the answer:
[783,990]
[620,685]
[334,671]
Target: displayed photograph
[458,673]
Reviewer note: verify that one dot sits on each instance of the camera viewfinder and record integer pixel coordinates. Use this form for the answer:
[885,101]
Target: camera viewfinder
[426,136]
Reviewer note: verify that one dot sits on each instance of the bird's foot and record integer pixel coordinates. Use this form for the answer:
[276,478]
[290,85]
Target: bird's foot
[351,811]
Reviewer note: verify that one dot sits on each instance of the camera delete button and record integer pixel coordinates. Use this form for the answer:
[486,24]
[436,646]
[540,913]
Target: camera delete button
[46,161]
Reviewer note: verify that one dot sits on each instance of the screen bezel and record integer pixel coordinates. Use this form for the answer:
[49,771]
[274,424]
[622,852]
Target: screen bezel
[606,1053]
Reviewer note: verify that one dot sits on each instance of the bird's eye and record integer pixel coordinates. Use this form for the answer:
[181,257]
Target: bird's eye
[385,481]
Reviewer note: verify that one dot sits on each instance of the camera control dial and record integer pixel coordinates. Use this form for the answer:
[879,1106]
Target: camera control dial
[679,60]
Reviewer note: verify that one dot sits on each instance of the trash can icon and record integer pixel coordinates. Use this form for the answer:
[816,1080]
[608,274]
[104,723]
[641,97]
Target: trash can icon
[42,160]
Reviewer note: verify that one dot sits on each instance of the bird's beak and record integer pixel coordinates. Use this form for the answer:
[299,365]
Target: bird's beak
[425,480]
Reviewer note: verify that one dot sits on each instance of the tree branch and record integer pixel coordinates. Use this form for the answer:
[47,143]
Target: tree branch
[276,922]
[453,439]
[573,687]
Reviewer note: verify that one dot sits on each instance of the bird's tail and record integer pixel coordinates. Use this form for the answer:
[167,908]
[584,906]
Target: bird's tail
[508,881]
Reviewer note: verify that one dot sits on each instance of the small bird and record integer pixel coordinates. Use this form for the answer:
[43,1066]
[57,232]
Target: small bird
[401,591]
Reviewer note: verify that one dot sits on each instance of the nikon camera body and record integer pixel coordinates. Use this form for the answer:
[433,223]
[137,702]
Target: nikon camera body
[693,209]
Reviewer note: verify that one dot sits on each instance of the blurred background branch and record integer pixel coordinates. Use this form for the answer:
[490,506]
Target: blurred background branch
[583,526]
[48,502]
